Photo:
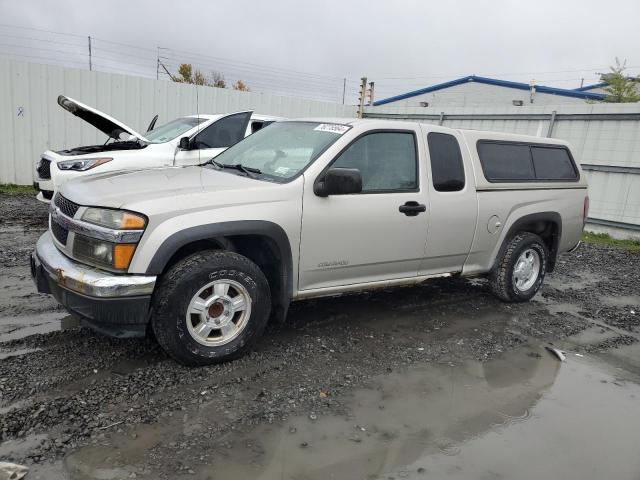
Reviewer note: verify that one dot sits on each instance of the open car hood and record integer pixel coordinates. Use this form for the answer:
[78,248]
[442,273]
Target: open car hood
[103,122]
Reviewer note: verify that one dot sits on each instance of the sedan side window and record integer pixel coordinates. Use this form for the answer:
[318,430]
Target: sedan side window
[387,161]
[222,134]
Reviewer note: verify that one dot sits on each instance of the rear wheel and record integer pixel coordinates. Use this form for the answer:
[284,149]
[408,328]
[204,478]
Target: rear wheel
[210,307]
[520,271]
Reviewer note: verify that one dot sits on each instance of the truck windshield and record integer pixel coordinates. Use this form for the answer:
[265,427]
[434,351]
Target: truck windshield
[282,150]
[173,129]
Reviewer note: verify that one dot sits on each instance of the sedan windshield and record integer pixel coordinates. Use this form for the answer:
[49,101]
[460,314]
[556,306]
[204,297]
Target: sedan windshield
[281,150]
[173,129]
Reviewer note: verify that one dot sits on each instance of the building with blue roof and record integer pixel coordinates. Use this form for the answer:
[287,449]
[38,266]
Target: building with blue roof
[475,91]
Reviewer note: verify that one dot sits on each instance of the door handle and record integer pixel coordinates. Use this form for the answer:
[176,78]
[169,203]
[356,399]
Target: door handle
[411,209]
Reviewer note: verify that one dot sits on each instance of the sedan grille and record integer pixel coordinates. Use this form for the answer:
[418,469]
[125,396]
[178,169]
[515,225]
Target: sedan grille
[66,206]
[44,169]
[59,232]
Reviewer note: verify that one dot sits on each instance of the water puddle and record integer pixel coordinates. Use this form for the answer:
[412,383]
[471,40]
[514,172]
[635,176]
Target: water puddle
[525,416]
[631,301]
[14,328]
[578,281]
[16,353]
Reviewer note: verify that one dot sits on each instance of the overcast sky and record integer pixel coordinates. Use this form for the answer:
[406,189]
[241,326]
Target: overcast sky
[435,41]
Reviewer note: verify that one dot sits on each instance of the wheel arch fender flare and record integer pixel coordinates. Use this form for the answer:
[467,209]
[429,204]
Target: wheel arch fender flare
[217,231]
[532,219]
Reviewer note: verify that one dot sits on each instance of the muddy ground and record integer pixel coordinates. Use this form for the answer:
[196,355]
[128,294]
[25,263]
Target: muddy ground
[435,381]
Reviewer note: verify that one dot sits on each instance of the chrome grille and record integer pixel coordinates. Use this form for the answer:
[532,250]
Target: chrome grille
[59,232]
[66,206]
[44,169]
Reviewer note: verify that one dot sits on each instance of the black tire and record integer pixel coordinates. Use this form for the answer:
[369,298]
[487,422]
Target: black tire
[501,281]
[181,283]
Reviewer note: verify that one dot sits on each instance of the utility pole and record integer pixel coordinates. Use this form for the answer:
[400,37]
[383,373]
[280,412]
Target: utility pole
[344,88]
[532,90]
[370,93]
[90,66]
[363,93]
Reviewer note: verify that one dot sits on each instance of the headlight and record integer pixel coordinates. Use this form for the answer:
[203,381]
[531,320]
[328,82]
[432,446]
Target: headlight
[82,164]
[113,256]
[115,219]
[113,252]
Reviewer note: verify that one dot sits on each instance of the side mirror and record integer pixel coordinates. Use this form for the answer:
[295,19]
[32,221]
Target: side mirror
[339,181]
[184,144]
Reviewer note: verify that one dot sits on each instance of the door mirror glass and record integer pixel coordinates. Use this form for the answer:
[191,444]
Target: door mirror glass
[184,144]
[339,181]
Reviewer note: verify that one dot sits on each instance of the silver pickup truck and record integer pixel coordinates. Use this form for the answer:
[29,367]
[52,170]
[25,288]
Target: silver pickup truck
[204,255]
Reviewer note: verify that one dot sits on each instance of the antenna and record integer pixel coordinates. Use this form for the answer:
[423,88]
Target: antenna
[198,117]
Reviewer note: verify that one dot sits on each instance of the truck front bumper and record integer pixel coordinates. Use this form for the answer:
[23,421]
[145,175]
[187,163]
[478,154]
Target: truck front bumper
[117,305]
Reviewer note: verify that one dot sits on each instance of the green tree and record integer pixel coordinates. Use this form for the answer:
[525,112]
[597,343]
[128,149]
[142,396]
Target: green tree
[185,70]
[620,88]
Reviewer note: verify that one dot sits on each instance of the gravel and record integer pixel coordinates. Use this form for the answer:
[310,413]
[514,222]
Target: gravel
[74,387]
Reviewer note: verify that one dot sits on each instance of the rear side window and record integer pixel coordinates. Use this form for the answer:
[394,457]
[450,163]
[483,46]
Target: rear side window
[552,164]
[517,162]
[502,162]
[446,162]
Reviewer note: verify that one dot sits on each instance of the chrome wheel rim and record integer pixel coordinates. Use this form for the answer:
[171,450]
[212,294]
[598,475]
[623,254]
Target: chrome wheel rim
[526,270]
[218,312]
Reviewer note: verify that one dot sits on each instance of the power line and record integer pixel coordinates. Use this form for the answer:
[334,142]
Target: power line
[41,30]
[127,45]
[266,78]
[251,64]
[21,37]
[41,48]
[153,58]
[243,72]
[10,55]
[149,65]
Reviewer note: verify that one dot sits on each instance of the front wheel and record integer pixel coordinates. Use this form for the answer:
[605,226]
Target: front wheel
[210,307]
[520,271]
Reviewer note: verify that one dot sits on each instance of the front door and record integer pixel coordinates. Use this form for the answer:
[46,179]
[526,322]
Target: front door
[365,237]
[214,139]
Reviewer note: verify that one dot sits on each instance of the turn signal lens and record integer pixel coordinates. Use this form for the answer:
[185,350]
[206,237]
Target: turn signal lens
[122,255]
[132,222]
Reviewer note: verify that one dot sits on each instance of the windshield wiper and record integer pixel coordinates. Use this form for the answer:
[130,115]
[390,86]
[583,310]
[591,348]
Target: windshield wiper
[248,171]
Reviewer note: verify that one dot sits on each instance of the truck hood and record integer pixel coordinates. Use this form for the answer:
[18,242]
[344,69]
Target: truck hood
[143,189]
[103,122]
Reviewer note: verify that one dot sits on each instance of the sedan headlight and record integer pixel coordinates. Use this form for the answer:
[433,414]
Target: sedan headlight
[82,165]
[114,219]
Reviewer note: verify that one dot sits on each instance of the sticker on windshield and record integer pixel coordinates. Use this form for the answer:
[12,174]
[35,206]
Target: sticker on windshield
[332,128]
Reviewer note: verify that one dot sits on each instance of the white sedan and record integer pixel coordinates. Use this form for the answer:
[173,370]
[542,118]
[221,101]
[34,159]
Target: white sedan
[189,140]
